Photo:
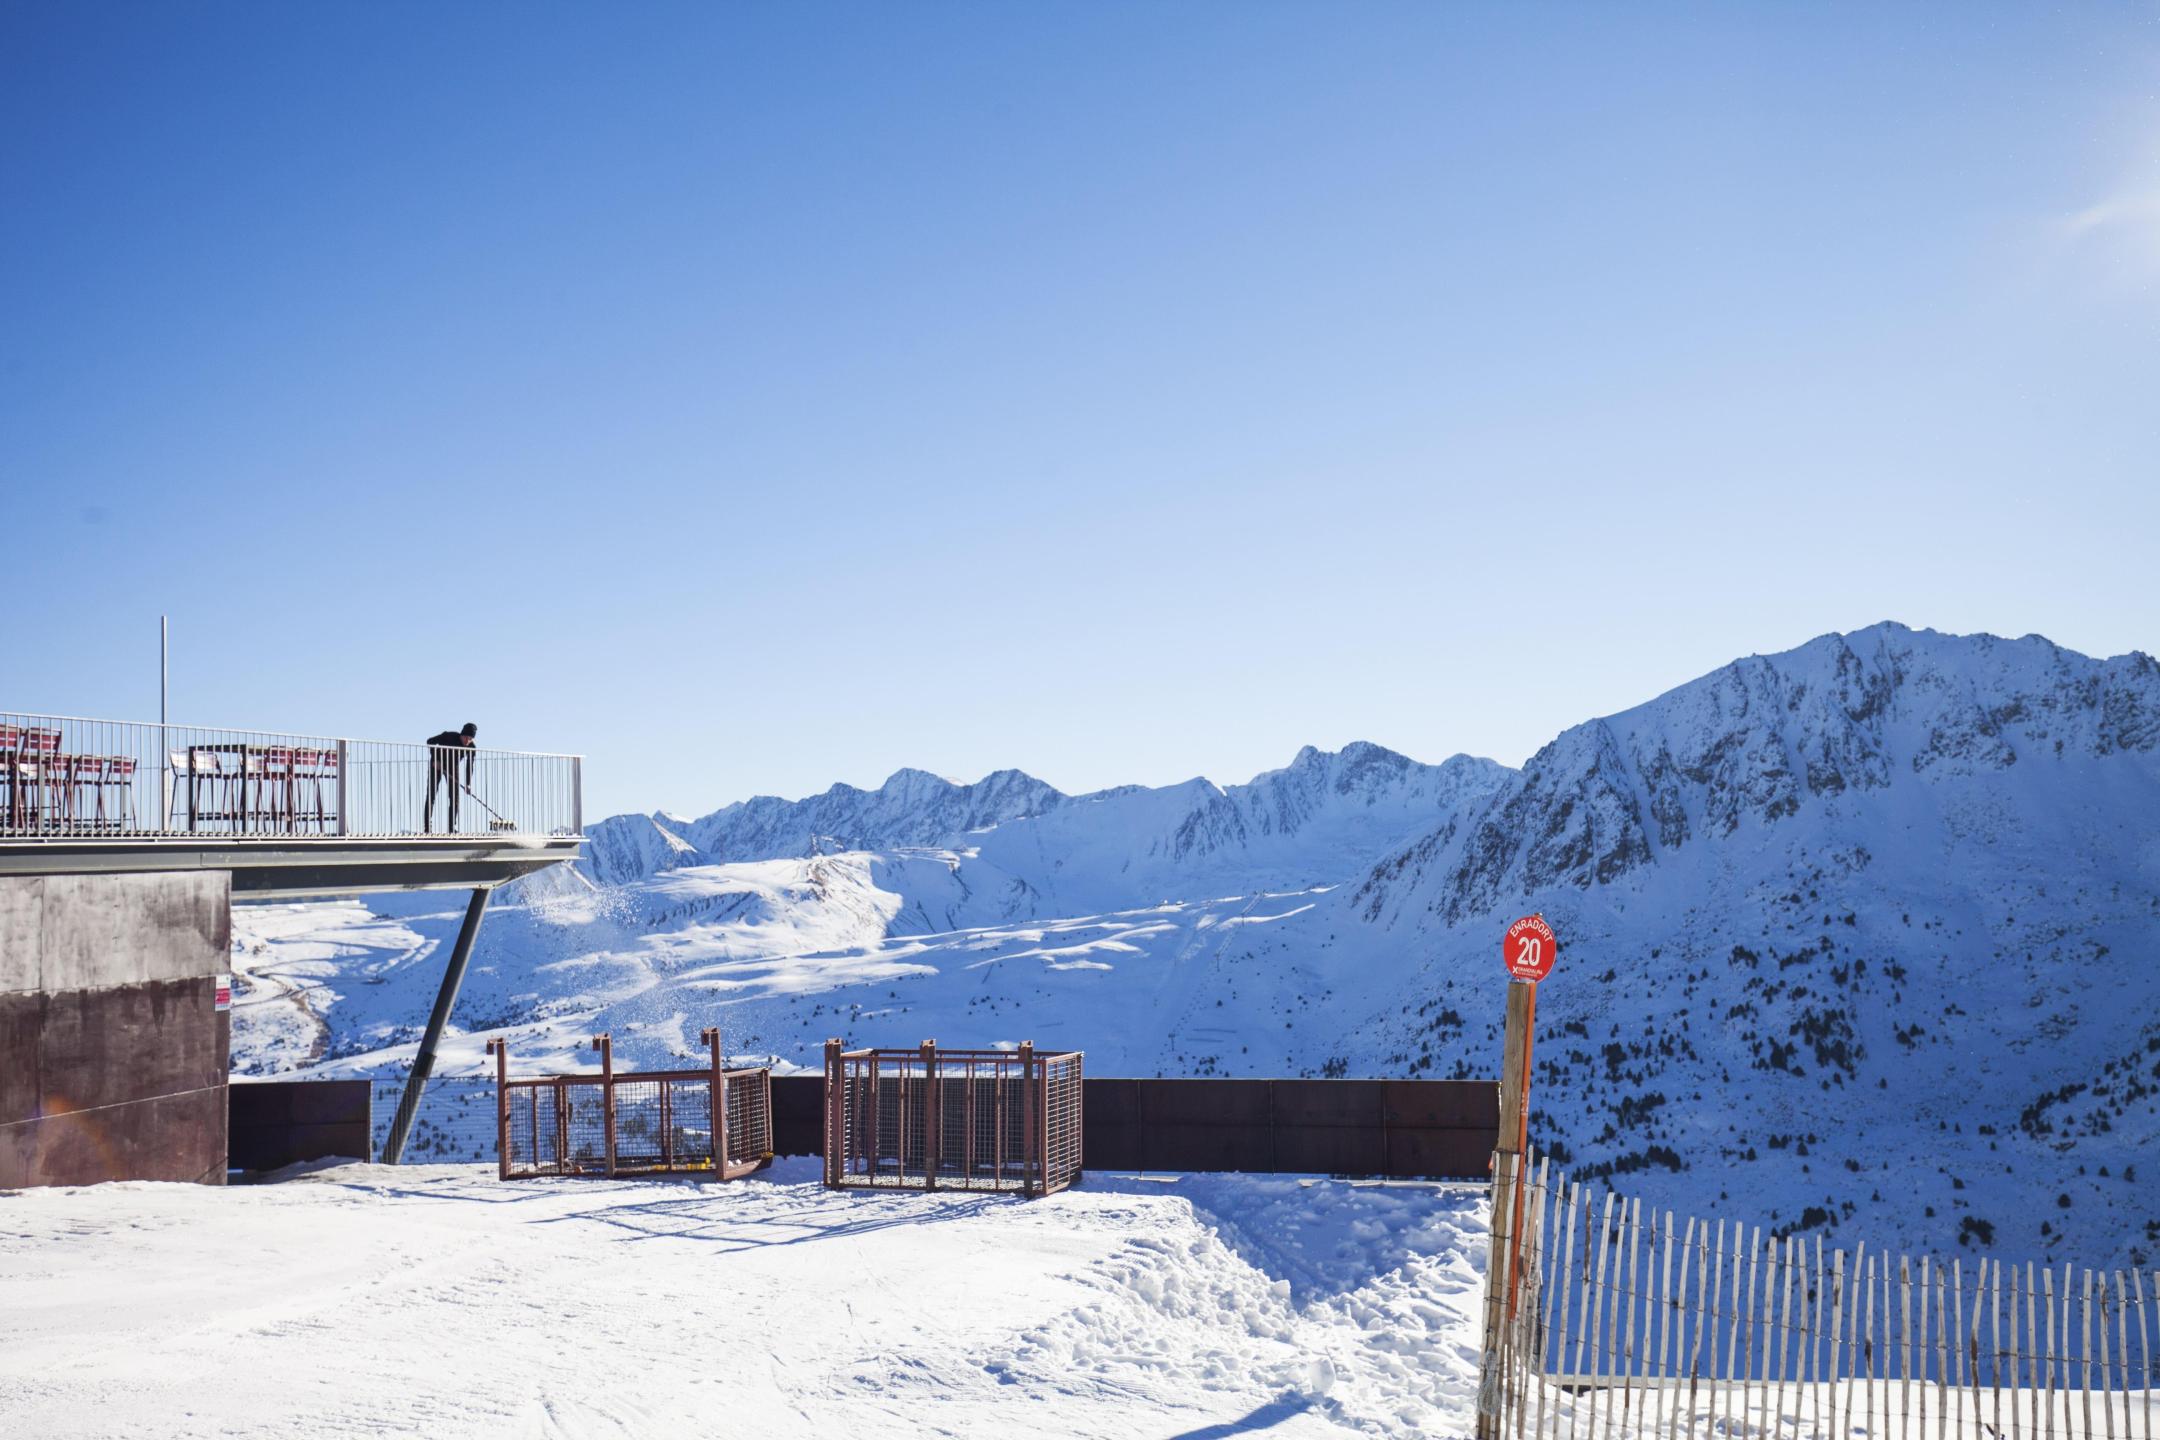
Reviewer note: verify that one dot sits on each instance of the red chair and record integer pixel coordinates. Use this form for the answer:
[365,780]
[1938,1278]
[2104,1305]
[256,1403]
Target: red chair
[278,791]
[318,769]
[65,778]
[36,752]
[11,776]
[116,774]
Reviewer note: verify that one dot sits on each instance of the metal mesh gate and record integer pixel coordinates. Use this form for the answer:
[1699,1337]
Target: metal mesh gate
[644,1123]
[931,1119]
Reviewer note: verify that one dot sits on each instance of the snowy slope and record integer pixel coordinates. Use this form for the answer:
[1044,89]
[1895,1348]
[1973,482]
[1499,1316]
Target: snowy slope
[1888,901]
[1125,1310]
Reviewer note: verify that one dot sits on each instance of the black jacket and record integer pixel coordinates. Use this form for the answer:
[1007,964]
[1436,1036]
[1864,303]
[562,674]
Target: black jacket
[447,764]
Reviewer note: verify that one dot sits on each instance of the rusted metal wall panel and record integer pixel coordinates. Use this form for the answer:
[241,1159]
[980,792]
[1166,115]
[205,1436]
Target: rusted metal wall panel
[166,1137]
[119,1084]
[21,1014]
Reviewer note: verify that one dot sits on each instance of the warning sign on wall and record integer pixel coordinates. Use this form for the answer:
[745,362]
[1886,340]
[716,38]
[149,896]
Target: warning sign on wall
[224,992]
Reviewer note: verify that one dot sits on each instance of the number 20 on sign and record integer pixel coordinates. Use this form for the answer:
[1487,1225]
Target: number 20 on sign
[1530,948]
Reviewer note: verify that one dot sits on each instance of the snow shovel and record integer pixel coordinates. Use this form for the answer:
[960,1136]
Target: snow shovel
[495,821]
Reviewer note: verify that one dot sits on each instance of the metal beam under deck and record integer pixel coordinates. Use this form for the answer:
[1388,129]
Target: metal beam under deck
[295,867]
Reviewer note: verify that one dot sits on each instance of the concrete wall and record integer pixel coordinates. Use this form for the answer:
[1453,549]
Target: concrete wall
[112,1050]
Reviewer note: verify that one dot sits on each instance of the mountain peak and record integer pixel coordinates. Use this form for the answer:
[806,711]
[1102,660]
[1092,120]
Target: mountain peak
[1765,739]
[909,778]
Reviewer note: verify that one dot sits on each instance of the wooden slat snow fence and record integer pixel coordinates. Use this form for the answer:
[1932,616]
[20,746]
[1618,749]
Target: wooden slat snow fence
[1630,1322]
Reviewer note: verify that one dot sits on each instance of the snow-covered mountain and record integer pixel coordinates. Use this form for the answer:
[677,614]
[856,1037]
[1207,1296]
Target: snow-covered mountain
[1875,916]
[1879,915]
[913,807]
[1318,820]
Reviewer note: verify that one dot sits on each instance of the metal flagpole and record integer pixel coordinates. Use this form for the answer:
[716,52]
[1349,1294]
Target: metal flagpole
[164,686]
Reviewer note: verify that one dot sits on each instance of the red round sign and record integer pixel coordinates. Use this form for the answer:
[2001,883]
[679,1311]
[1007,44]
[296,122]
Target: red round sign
[1530,948]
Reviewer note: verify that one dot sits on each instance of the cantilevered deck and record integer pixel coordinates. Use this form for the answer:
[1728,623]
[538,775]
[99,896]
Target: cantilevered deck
[288,815]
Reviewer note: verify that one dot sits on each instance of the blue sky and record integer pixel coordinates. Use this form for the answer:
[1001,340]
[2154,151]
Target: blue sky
[753,397]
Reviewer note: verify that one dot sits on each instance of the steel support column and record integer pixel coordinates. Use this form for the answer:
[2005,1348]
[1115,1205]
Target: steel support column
[424,1061]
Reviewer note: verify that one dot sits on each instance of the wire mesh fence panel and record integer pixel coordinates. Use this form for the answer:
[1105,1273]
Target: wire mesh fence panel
[1061,1120]
[582,1111]
[992,1120]
[532,1128]
[662,1123]
[749,1116]
[1689,1327]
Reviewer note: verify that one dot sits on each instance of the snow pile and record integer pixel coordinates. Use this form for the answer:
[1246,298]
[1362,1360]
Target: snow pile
[1128,1308]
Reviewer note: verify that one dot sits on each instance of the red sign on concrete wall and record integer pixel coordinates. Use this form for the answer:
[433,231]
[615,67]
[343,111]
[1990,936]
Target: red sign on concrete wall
[1530,948]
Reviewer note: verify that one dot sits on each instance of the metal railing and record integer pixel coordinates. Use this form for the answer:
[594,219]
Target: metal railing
[66,777]
[640,1123]
[936,1119]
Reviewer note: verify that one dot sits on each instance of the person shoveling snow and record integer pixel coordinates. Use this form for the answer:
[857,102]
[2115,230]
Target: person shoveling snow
[443,762]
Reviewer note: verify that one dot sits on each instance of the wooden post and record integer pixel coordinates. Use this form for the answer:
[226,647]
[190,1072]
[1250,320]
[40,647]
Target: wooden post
[1665,1307]
[1507,1190]
[1537,1320]
[1600,1312]
[2108,1360]
[1992,1278]
[2018,1283]
[2047,1386]
[1692,1322]
[1784,1325]
[605,1044]
[2085,1357]
[1567,1212]
[2145,1385]
[1631,1222]
[501,1051]
[1522,1123]
[1866,1269]
[1717,1324]
[1840,1369]
[1958,1337]
[1905,1347]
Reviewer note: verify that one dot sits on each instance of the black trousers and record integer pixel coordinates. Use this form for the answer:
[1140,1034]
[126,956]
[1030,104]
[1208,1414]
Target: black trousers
[442,768]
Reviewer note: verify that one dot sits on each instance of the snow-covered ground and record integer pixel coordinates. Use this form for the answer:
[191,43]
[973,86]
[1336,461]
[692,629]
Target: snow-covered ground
[435,1300]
